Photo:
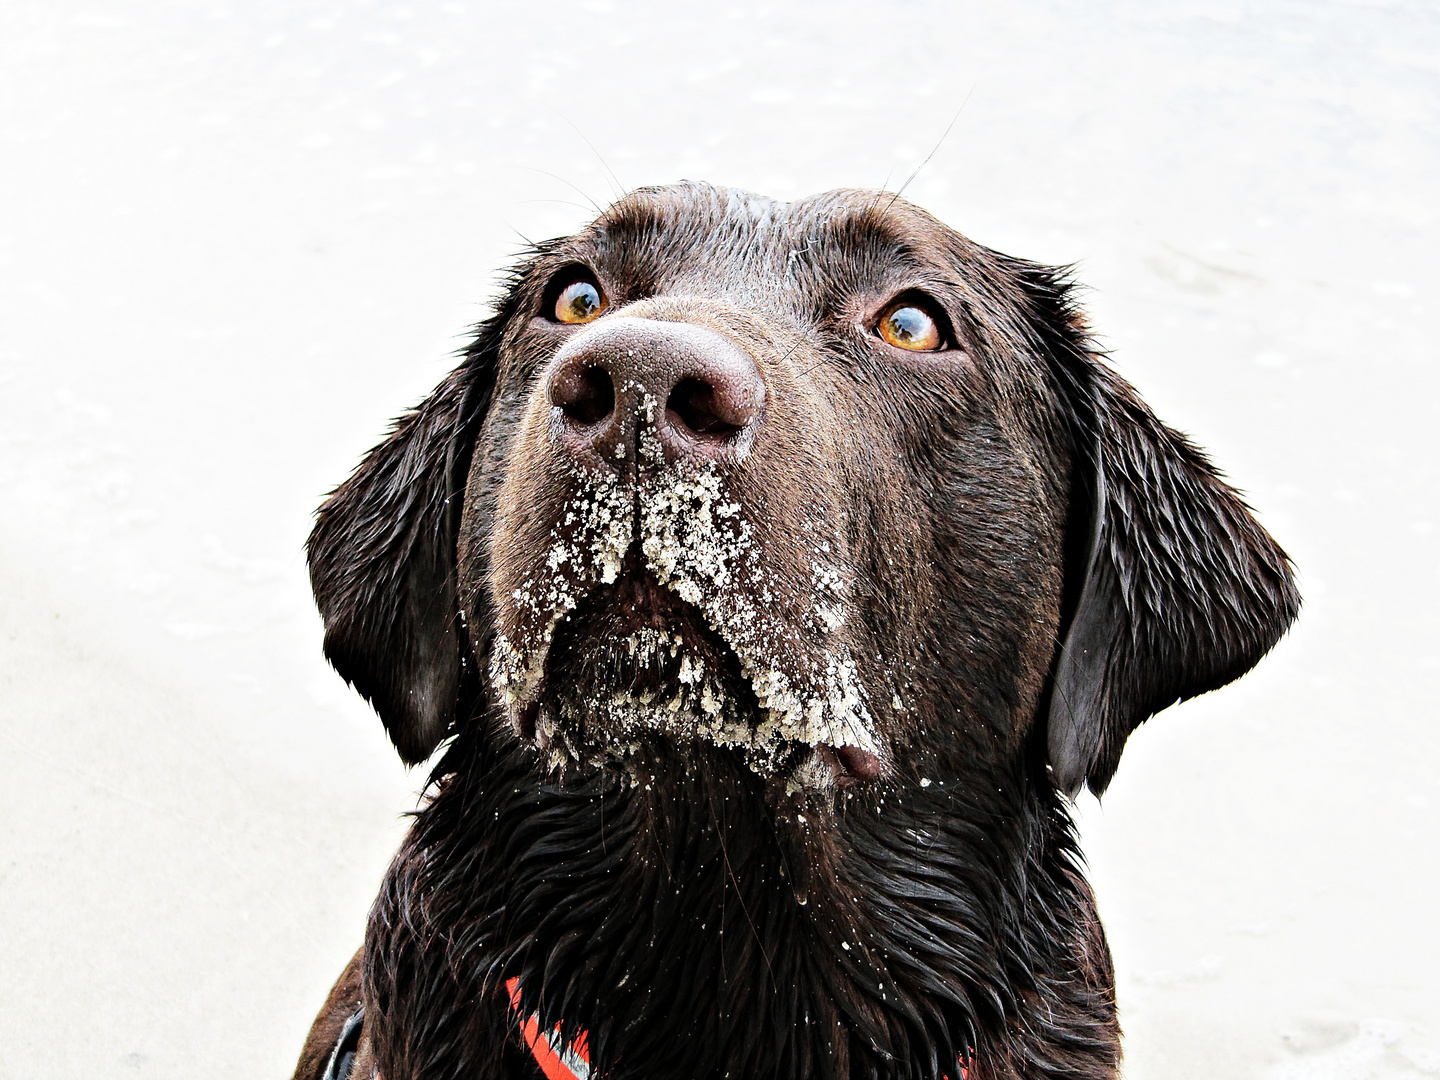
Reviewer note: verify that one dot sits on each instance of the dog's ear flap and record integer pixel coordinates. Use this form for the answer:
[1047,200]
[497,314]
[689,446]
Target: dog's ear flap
[383,564]
[1182,589]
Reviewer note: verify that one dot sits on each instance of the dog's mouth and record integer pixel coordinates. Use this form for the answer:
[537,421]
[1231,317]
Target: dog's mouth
[637,638]
[634,663]
[633,659]
[657,609]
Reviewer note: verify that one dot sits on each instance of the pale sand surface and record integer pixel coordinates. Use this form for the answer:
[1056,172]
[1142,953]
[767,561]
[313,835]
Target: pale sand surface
[235,240]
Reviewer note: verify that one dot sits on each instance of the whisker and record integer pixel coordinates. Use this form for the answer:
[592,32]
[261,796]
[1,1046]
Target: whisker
[556,176]
[620,188]
[939,143]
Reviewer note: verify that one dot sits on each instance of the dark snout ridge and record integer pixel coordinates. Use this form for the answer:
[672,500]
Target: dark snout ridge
[702,391]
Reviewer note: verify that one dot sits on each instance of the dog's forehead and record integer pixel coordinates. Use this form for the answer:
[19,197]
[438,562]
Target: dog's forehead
[698,237]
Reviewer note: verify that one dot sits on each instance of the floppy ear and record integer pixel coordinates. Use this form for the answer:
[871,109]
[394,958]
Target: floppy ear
[382,562]
[1183,591]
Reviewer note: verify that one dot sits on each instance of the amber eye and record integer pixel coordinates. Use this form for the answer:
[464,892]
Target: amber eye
[579,302]
[907,326]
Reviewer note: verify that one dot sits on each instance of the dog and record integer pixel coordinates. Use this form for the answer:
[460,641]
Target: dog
[773,574]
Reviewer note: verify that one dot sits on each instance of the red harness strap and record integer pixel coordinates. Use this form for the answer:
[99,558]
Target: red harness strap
[557,1060]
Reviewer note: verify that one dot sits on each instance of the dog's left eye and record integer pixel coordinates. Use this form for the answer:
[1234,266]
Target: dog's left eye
[579,302]
[907,325]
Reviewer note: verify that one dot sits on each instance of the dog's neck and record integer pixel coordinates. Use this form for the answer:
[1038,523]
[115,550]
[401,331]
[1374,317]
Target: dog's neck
[691,934]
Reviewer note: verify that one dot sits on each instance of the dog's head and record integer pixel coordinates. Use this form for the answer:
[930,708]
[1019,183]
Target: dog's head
[822,490]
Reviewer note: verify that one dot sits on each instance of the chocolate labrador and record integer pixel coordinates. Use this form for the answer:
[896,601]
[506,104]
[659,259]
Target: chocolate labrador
[772,573]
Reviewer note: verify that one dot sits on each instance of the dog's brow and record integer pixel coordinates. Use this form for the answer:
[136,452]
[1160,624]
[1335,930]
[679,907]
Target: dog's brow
[631,218]
[872,228]
[869,225]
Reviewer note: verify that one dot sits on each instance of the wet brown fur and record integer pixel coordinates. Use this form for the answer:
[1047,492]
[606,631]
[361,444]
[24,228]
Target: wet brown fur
[1034,565]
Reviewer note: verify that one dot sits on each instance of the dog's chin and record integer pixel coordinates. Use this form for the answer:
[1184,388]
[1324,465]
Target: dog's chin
[635,677]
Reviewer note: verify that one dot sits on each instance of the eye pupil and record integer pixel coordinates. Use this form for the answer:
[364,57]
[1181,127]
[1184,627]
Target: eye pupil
[579,302]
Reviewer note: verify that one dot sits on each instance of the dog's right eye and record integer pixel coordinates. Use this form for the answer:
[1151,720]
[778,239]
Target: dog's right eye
[907,324]
[579,302]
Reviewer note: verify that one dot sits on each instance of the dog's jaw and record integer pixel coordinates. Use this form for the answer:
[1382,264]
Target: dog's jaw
[681,525]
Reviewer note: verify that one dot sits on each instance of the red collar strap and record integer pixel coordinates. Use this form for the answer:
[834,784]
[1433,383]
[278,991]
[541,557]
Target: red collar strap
[558,1060]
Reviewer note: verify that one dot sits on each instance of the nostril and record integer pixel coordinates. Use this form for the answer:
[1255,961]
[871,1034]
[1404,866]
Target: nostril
[585,395]
[695,403]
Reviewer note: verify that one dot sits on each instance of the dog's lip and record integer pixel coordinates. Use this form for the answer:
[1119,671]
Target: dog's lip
[850,765]
[523,719]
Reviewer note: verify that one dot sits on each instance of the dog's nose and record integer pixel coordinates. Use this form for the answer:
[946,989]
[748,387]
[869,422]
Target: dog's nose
[702,392]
